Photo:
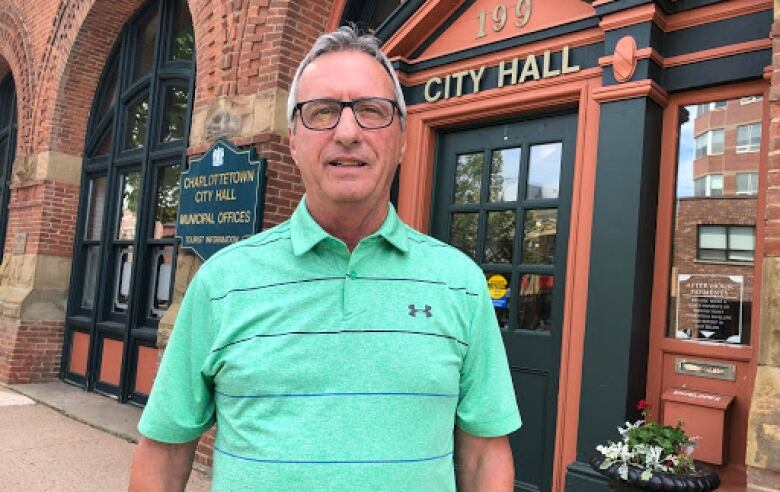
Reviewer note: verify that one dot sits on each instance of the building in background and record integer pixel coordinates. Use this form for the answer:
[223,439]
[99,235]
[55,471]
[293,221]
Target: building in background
[609,164]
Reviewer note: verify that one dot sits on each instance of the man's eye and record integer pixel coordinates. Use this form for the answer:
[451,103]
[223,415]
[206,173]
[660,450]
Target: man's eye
[322,111]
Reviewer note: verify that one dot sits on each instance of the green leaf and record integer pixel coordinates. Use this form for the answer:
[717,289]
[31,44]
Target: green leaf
[606,464]
[646,475]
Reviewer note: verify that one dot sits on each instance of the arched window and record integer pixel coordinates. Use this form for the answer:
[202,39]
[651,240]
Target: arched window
[125,252]
[7,149]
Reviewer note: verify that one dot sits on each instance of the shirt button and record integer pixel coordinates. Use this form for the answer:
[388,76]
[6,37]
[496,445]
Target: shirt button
[352,275]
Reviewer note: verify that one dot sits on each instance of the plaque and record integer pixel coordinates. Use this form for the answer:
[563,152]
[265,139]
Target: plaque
[709,307]
[221,199]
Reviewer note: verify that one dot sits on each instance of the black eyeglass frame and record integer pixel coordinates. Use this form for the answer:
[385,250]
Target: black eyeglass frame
[350,105]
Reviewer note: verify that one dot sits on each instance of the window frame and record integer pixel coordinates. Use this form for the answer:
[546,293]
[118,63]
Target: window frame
[7,135]
[709,143]
[727,250]
[750,146]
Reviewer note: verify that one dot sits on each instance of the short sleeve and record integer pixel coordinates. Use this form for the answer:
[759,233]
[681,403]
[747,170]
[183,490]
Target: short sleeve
[181,404]
[487,405]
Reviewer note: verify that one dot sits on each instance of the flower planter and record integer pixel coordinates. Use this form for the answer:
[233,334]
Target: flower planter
[703,480]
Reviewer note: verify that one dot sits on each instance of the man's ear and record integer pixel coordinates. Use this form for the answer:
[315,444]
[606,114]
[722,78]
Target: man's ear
[291,140]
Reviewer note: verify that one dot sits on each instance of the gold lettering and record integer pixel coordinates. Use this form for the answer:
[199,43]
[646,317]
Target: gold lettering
[503,72]
[476,78]
[530,68]
[197,218]
[226,194]
[546,71]
[447,87]
[565,67]
[432,97]
[458,76]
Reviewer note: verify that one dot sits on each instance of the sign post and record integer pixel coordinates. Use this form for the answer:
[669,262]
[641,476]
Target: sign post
[221,199]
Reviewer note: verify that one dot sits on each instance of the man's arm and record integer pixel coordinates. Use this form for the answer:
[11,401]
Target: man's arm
[484,463]
[159,466]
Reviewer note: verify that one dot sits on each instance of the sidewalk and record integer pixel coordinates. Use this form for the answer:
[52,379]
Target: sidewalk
[86,444]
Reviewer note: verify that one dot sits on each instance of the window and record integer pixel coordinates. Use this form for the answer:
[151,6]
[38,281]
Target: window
[749,138]
[750,100]
[7,148]
[726,243]
[709,143]
[709,185]
[747,183]
[703,109]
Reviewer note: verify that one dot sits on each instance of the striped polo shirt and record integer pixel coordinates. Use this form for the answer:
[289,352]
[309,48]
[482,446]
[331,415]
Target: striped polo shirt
[327,370]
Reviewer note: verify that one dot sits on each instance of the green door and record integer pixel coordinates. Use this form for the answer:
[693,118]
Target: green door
[503,196]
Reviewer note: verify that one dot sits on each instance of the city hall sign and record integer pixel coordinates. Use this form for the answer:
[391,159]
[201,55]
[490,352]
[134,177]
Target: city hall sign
[508,72]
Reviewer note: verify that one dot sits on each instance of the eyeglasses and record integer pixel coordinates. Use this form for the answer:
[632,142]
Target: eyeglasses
[371,113]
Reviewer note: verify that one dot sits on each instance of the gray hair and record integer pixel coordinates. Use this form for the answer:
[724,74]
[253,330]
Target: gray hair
[345,39]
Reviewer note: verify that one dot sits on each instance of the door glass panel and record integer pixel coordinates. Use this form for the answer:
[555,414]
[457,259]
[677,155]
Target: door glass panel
[468,178]
[713,235]
[539,233]
[136,124]
[91,266]
[504,171]
[500,237]
[544,171]
[175,114]
[128,211]
[122,273]
[463,234]
[535,306]
[144,44]
[183,42]
[96,208]
[167,202]
[500,293]
[161,280]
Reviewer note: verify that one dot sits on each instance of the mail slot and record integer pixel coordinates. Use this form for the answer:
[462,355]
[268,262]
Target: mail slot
[704,417]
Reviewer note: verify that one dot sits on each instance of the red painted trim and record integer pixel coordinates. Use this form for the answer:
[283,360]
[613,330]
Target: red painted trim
[420,26]
[631,90]
[336,11]
[630,17]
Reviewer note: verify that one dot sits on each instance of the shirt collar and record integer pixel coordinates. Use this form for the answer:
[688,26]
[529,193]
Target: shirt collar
[306,233]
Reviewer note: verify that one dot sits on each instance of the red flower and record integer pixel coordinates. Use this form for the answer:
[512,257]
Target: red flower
[643,405]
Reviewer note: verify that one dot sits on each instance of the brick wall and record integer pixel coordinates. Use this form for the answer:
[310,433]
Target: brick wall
[30,351]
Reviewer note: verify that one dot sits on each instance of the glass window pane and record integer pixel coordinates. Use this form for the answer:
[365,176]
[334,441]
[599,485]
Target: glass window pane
[539,233]
[130,185]
[167,202]
[136,124]
[96,208]
[468,178]
[717,142]
[500,293]
[108,97]
[712,254]
[3,162]
[105,145]
[535,306]
[183,42]
[122,276]
[89,288]
[145,41]
[500,237]
[463,234]
[175,114]
[544,171]
[161,280]
[716,185]
[740,255]
[504,172]
[743,238]
[713,237]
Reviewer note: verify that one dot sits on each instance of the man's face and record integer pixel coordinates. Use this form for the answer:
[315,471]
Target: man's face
[346,165]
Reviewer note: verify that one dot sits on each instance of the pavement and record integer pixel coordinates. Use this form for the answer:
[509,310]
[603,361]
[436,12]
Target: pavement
[56,437]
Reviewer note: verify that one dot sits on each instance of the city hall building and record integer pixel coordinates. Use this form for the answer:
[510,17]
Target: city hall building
[612,165]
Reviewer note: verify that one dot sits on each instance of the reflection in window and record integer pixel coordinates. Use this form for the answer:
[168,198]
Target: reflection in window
[726,243]
[539,233]
[122,273]
[468,178]
[463,234]
[161,280]
[136,124]
[89,288]
[144,48]
[175,114]
[95,208]
[183,43]
[544,171]
[500,293]
[712,268]
[131,188]
[749,138]
[504,170]
[535,306]
[500,236]
[167,202]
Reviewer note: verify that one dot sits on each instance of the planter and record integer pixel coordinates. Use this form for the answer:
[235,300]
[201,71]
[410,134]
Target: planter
[703,480]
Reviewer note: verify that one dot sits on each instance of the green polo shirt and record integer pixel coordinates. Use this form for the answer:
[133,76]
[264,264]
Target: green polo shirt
[327,370]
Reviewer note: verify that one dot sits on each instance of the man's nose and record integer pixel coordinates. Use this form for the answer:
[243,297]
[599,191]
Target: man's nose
[347,131]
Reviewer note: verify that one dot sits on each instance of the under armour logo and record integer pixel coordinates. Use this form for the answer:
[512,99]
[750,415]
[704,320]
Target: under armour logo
[413,311]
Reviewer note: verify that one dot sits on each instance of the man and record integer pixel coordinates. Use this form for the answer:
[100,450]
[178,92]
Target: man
[341,350]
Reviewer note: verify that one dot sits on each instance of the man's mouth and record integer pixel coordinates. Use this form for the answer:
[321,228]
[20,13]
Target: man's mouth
[347,163]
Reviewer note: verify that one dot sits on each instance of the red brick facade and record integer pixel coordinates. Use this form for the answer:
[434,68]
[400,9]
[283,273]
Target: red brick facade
[30,351]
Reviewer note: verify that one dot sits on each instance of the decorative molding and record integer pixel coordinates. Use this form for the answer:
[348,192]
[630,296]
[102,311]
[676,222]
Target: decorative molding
[632,90]
[624,59]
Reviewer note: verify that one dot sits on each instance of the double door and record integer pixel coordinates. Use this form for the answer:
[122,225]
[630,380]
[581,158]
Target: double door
[503,198]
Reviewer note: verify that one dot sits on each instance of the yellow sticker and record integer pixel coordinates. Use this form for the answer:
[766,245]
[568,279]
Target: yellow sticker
[497,286]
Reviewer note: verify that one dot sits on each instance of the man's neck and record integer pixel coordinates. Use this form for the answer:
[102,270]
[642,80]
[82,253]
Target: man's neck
[348,222]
